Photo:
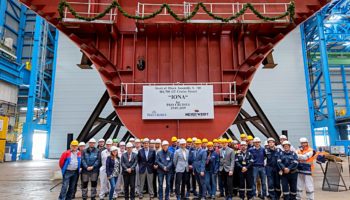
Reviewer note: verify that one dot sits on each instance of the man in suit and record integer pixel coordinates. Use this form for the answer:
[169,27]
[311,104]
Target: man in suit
[164,160]
[227,164]
[129,162]
[181,169]
[146,160]
[198,158]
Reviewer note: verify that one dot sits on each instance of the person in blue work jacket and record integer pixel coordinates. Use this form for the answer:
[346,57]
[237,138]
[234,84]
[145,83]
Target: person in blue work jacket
[164,165]
[273,178]
[172,149]
[288,164]
[198,158]
[259,166]
[212,165]
[244,162]
[91,160]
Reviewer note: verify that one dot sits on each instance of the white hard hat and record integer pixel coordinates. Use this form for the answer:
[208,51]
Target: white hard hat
[243,143]
[286,143]
[283,137]
[109,141]
[146,140]
[235,142]
[101,140]
[158,141]
[303,139]
[92,140]
[114,148]
[152,141]
[256,139]
[182,141]
[266,143]
[132,140]
[129,144]
[137,141]
[165,143]
[194,139]
[122,143]
[81,144]
[270,139]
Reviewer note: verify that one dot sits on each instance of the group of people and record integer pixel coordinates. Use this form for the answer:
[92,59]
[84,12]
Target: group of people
[231,167]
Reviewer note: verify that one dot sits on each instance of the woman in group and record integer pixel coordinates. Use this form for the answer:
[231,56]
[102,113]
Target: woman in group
[113,169]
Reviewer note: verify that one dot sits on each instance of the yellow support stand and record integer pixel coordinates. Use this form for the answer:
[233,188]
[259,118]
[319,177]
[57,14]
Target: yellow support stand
[3,132]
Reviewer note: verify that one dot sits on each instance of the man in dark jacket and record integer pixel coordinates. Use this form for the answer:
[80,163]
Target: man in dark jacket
[129,162]
[272,170]
[164,160]
[244,161]
[198,158]
[146,160]
[211,170]
[91,165]
[259,166]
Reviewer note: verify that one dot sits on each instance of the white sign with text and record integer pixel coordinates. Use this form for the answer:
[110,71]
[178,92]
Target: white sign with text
[178,102]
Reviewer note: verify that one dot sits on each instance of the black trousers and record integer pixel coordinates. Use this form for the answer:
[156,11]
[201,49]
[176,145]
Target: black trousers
[236,180]
[155,180]
[181,180]
[227,181]
[245,184]
[129,182]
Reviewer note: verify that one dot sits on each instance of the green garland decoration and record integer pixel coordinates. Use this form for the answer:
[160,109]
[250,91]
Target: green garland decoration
[114,4]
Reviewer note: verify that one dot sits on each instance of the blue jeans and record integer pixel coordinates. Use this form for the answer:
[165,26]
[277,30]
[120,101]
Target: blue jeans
[68,183]
[273,182]
[201,183]
[210,182]
[161,177]
[259,171]
[112,182]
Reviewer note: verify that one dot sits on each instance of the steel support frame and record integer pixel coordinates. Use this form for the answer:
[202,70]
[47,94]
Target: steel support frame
[96,123]
[259,120]
[41,85]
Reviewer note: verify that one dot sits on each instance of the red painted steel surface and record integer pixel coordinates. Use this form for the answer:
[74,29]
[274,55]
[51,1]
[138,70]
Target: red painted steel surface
[175,52]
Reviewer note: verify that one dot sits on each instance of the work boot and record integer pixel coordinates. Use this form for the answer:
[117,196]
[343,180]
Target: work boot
[93,193]
[84,193]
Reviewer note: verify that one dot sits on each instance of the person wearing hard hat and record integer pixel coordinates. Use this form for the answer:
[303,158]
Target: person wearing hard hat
[181,169]
[189,142]
[81,148]
[288,164]
[243,137]
[236,180]
[273,178]
[197,163]
[306,158]
[132,141]
[164,162]
[103,175]
[191,183]
[137,147]
[172,149]
[244,161]
[128,163]
[211,170]
[158,145]
[115,142]
[250,141]
[204,143]
[101,144]
[69,163]
[152,144]
[146,161]
[227,165]
[119,189]
[258,153]
[112,169]
[91,160]
[282,139]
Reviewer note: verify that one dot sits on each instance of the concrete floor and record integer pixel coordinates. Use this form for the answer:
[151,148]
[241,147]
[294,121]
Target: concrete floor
[32,181]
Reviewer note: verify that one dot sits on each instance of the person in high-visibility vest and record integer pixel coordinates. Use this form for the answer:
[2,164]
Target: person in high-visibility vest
[305,167]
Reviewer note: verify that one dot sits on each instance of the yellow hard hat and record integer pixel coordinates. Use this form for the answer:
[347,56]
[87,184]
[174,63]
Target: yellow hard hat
[243,135]
[215,140]
[210,144]
[229,140]
[174,139]
[224,140]
[74,143]
[250,137]
[204,140]
[189,140]
[198,141]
